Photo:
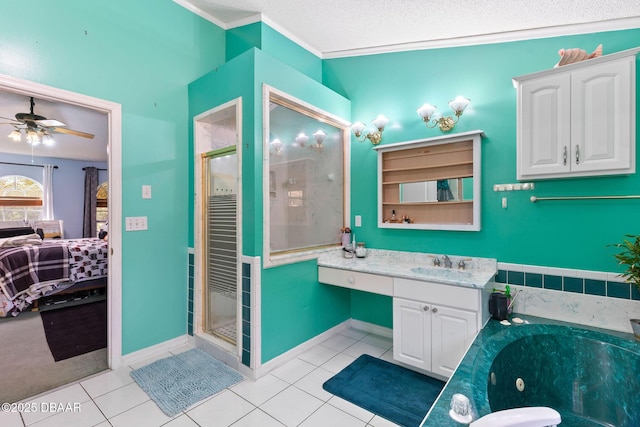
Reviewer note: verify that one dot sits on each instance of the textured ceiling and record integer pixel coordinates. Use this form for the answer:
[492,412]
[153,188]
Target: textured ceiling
[332,28]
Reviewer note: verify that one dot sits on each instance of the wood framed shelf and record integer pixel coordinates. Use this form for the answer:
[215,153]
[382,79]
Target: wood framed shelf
[434,182]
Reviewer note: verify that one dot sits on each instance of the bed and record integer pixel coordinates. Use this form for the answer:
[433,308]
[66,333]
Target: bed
[32,268]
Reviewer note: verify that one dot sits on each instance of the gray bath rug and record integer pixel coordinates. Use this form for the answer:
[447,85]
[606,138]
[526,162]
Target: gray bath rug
[179,381]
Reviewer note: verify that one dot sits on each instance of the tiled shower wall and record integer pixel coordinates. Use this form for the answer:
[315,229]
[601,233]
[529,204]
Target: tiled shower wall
[248,340]
[191,291]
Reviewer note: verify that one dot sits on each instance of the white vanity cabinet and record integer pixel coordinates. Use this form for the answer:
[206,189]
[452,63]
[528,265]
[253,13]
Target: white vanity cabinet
[437,311]
[374,283]
[578,119]
[433,324]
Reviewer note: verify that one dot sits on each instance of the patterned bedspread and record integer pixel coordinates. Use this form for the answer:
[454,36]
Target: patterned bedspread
[25,266]
[32,271]
[88,258]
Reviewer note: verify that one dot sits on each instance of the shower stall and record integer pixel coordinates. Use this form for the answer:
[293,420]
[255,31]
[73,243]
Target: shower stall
[217,230]
[221,293]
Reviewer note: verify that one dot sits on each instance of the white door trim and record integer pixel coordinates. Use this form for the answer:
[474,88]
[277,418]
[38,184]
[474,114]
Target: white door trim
[202,145]
[114,113]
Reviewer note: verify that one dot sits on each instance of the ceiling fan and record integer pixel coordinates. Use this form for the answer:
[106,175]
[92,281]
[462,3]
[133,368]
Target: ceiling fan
[38,128]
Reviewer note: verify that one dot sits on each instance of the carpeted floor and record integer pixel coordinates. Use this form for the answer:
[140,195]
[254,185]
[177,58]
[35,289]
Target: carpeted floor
[27,365]
[388,390]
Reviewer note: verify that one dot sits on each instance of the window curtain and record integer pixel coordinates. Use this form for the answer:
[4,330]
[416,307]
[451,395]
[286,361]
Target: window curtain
[444,192]
[90,188]
[47,197]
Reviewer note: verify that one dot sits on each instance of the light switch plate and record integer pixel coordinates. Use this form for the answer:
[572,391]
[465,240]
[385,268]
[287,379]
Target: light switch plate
[135,223]
[146,191]
[358,221]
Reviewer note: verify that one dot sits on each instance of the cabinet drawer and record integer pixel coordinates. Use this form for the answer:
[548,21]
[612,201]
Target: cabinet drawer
[356,280]
[437,293]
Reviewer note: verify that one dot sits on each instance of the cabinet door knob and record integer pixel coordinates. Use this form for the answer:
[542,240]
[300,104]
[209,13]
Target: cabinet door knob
[425,308]
[434,310]
[352,279]
[577,154]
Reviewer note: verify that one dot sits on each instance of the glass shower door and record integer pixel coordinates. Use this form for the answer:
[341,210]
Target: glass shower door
[222,249]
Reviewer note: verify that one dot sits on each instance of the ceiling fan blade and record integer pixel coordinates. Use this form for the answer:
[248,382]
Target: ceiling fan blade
[72,132]
[50,123]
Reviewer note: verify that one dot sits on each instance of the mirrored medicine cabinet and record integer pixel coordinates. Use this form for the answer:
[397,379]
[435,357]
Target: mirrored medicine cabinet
[431,184]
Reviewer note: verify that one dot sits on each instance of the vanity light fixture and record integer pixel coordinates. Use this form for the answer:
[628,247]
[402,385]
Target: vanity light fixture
[319,136]
[277,146]
[302,139]
[376,136]
[445,124]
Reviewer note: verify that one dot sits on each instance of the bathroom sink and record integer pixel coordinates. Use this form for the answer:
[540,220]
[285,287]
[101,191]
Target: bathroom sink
[447,273]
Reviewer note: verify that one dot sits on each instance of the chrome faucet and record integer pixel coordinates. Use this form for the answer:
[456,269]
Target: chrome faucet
[436,261]
[461,264]
[447,262]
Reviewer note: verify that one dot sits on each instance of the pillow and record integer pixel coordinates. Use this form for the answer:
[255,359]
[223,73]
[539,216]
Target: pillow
[15,231]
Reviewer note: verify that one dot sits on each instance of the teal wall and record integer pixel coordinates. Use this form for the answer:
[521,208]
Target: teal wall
[262,36]
[572,234]
[559,234]
[142,55]
[295,307]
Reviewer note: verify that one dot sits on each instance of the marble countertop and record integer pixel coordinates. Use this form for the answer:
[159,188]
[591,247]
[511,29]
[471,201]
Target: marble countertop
[476,274]
[471,375]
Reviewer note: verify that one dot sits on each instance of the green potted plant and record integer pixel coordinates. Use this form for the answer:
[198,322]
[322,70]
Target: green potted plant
[630,258]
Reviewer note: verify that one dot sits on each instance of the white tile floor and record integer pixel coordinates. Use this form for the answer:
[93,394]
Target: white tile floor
[291,395]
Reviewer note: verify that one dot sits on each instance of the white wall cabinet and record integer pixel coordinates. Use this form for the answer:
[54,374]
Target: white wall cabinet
[433,324]
[578,119]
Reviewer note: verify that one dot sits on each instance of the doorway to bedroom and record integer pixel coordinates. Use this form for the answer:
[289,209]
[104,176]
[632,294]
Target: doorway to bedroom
[40,320]
[217,134]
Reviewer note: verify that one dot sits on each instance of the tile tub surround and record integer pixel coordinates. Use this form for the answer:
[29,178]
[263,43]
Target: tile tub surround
[471,376]
[476,274]
[592,298]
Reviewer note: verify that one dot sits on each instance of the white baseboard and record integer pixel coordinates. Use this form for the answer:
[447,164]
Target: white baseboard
[307,345]
[371,328]
[278,361]
[154,350]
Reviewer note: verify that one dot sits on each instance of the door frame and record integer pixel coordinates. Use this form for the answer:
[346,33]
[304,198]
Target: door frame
[202,146]
[114,114]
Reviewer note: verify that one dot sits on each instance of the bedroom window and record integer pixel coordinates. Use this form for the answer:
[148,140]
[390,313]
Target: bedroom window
[20,198]
[102,205]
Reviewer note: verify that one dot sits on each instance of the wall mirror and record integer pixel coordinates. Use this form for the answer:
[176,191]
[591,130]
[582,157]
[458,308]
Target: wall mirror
[305,178]
[431,183]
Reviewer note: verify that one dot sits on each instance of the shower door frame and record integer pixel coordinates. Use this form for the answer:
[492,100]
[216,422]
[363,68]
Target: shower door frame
[202,151]
[207,192]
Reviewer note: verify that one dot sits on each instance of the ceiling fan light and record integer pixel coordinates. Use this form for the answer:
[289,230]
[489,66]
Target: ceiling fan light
[15,135]
[48,140]
[32,137]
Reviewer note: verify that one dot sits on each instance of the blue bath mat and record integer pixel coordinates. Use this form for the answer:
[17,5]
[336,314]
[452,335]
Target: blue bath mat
[390,391]
[179,381]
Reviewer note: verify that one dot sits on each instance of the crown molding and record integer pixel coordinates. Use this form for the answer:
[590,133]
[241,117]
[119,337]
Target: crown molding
[503,37]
